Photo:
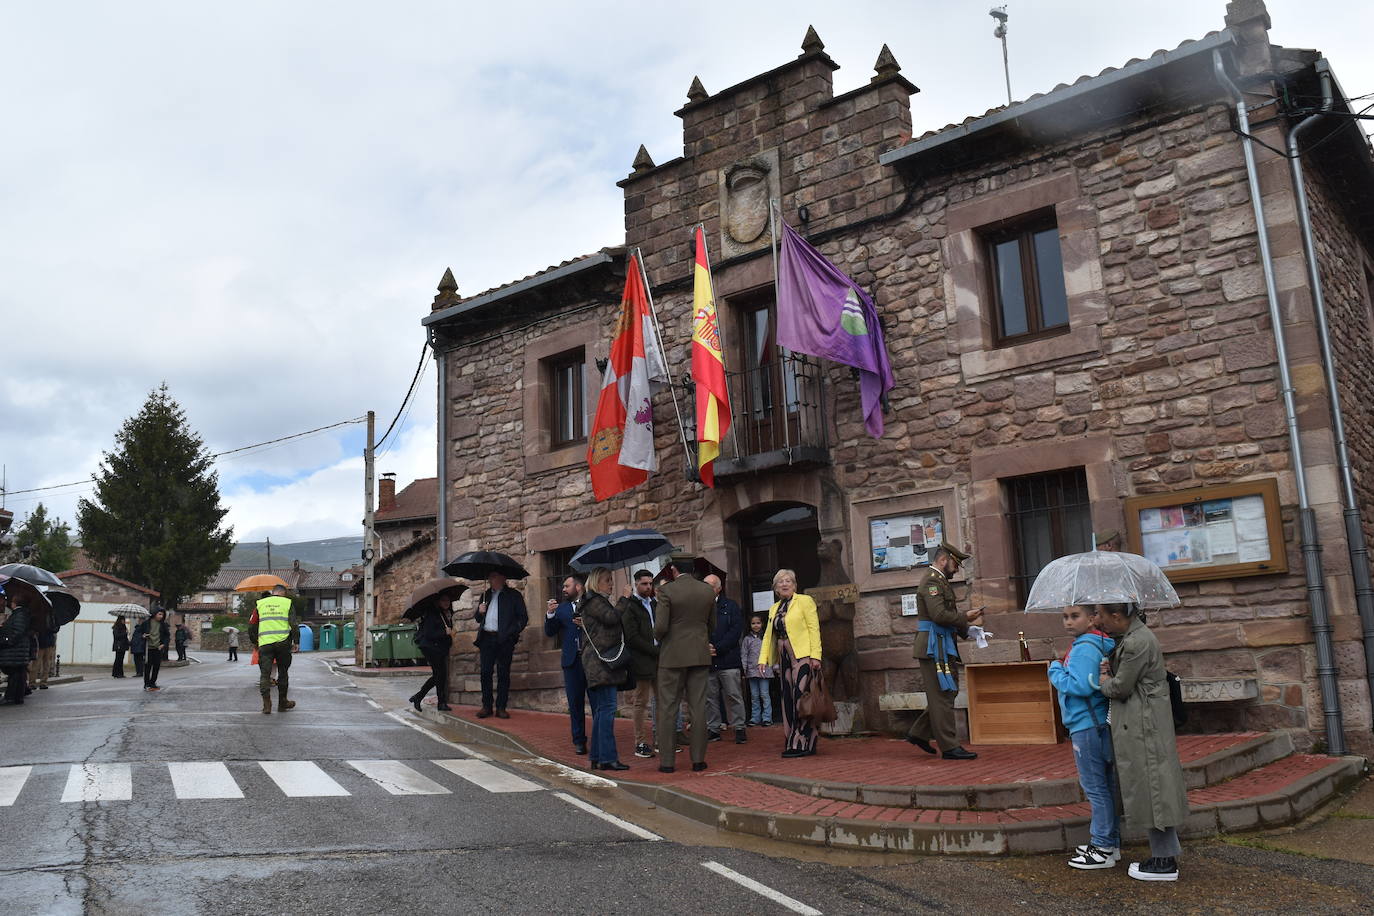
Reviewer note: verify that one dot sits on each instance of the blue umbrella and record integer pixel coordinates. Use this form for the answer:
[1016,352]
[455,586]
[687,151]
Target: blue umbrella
[620,549]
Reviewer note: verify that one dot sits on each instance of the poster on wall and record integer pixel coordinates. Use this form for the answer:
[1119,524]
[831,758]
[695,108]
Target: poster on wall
[904,541]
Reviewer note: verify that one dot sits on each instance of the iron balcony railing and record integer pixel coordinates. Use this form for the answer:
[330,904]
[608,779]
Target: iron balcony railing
[779,415]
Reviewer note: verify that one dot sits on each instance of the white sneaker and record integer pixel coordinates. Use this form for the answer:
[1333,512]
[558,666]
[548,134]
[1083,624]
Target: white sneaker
[1084,847]
[1155,869]
[1090,857]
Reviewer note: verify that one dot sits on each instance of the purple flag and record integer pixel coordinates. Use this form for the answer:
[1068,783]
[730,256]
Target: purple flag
[824,313]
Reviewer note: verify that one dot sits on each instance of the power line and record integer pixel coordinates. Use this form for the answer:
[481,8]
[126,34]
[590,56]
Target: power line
[232,451]
[424,350]
[405,416]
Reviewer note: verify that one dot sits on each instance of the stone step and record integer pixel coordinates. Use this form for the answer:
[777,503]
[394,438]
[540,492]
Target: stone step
[1234,755]
[1271,795]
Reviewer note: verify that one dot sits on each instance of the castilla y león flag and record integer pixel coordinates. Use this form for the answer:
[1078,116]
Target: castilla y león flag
[620,450]
[821,311]
[708,367]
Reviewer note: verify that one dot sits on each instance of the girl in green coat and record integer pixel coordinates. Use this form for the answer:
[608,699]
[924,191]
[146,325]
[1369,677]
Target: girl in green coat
[1153,793]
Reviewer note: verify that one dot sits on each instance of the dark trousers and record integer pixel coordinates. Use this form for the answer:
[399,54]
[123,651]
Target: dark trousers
[181,653]
[438,678]
[150,669]
[118,669]
[668,694]
[18,679]
[937,721]
[233,653]
[575,687]
[496,658]
[280,652]
[138,663]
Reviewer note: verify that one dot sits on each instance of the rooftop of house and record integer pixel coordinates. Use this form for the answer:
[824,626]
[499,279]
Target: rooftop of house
[418,500]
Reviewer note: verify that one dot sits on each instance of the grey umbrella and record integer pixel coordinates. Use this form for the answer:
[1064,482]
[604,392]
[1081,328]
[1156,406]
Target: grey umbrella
[34,575]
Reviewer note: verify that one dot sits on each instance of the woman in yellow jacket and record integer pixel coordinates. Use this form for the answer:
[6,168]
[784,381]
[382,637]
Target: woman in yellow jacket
[792,641]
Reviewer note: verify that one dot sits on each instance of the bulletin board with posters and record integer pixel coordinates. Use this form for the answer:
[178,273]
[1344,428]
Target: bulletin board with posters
[904,541]
[1217,532]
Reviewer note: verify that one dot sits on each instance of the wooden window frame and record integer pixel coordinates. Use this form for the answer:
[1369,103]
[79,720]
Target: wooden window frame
[1022,229]
[1267,488]
[554,365]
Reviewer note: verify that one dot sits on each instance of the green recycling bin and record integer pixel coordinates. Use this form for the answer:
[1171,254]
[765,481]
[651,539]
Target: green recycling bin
[381,645]
[404,651]
[349,640]
[329,637]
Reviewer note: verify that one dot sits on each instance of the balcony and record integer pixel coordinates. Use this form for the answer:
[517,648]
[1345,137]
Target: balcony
[779,417]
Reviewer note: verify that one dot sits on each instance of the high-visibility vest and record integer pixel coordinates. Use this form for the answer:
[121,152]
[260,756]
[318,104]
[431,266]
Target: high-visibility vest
[274,620]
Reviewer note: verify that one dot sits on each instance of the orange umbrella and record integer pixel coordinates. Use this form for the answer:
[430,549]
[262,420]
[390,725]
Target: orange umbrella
[262,582]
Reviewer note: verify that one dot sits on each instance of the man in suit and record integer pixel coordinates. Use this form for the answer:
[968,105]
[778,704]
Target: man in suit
[637,620]
[724,680]
[685,617]
[501,617]
[937,651]
[558,622]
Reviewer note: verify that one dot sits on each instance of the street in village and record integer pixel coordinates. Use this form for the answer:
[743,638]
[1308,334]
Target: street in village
[189,800]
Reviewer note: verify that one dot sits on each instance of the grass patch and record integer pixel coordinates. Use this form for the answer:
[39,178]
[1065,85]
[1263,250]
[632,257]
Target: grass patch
[1352,816]
[1267,846]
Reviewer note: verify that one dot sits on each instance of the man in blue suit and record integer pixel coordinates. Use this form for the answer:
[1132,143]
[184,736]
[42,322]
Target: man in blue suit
[558,622]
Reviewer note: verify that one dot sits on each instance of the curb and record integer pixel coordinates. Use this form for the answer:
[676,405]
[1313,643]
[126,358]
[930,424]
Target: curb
[1022,838]
[355,671]
[66,679]
[1205,771]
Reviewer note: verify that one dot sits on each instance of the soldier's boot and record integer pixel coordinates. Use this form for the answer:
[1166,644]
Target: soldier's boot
[267,704]
[283,703]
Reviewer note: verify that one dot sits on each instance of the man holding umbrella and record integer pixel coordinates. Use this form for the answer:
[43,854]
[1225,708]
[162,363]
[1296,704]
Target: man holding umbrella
[276,634]
[501,617]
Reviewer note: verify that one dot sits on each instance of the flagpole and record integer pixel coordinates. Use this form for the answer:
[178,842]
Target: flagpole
[773,207]
[663,354]
[710,278]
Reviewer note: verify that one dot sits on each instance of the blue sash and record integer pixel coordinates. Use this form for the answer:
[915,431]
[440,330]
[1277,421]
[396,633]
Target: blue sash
[940,642]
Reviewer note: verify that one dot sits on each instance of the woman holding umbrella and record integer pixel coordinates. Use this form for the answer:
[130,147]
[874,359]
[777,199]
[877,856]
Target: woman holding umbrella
[431,607]
[28,613]
[605,659]
[121,645]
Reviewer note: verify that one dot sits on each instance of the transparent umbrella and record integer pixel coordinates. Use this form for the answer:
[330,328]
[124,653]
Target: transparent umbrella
[1101,577]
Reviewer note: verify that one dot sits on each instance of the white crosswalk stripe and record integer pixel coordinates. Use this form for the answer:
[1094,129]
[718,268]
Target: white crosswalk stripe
[12,780]
[203,780]
[301,779]
[397,778]
[99,782]
[491,778]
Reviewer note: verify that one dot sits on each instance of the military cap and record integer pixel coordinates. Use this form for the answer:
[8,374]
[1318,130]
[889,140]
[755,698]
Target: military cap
[958,555]
[1106,537]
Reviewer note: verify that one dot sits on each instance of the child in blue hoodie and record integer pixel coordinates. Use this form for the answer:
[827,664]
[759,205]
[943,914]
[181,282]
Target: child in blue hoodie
[1085,716]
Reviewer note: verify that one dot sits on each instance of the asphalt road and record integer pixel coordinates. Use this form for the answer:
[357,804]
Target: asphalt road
[309,825]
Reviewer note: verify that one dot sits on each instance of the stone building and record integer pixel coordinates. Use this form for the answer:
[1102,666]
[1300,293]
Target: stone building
[407,555]
[1078,317]
[95,587]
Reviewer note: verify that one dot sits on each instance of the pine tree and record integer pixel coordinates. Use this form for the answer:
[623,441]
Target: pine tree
[45,542]
[155,517]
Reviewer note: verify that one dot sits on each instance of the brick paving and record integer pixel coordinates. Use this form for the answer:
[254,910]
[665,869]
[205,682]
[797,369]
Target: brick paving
[877,761]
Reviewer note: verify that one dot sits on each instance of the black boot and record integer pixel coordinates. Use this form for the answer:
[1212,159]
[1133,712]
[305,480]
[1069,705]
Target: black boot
[415,701]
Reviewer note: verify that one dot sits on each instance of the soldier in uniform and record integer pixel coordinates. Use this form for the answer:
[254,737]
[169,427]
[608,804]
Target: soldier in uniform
[937,651]
[1109,541]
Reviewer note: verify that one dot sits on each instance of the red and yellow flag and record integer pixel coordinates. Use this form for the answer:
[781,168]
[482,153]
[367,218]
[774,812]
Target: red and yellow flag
[708,367]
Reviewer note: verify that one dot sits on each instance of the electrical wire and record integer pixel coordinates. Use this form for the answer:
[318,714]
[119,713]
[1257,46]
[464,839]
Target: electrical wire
[406,415]
[424,350]
[217,455]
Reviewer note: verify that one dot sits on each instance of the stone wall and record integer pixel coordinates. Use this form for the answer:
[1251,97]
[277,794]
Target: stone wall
[1165,380]
[91,587]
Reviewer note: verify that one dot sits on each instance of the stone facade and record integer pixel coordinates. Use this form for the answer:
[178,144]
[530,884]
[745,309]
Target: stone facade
[1164,378]
[89,585]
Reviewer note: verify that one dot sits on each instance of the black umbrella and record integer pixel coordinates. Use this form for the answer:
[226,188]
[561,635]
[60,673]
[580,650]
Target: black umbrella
[621,548]
[65,606]
[34,575]
[478,564]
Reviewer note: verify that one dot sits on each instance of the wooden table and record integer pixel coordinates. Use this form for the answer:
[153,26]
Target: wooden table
[1011,703]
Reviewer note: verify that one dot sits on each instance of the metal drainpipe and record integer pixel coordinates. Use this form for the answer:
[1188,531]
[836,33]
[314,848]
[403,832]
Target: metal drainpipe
[441,463]
[1354,527]
[1311,545]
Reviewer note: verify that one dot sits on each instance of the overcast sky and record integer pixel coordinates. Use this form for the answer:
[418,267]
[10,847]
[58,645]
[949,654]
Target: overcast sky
[254,201]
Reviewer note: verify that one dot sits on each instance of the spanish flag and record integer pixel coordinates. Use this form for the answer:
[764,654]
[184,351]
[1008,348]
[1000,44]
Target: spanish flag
[708,367]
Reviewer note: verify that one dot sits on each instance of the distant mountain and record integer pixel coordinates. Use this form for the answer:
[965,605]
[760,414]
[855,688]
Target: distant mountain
[330,553]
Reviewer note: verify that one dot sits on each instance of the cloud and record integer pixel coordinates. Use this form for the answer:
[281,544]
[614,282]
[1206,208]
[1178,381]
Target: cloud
[254,202]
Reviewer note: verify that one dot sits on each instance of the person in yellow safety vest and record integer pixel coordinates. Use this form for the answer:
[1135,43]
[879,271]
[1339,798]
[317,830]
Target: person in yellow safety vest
[276,636]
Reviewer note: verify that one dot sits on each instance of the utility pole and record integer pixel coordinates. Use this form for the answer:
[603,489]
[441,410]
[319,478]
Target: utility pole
[269,555]
[369,537]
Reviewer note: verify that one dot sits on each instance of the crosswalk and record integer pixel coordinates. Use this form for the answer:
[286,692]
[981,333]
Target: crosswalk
[205,780]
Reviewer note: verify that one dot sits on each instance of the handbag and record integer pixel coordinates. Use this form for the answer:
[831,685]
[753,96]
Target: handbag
[816,703]
[618,662]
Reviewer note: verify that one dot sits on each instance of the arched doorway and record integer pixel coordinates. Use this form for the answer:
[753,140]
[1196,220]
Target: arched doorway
[772,536]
